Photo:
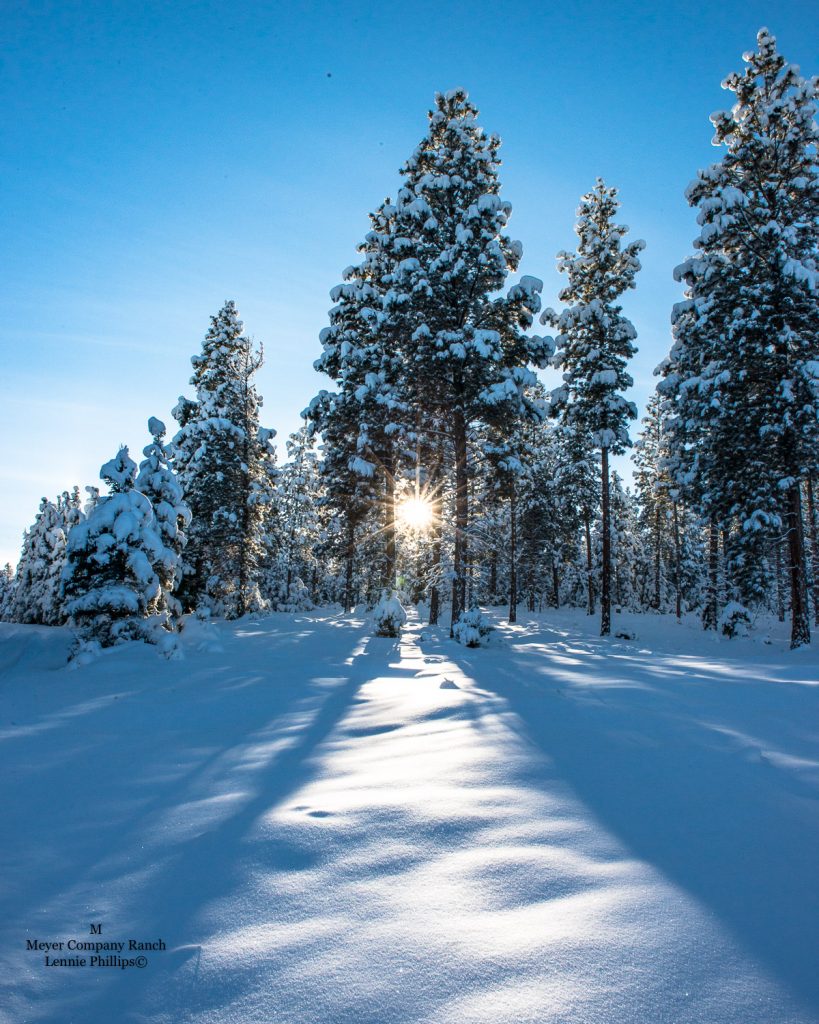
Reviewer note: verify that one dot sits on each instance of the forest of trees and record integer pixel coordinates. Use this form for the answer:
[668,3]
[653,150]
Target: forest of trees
[438,465]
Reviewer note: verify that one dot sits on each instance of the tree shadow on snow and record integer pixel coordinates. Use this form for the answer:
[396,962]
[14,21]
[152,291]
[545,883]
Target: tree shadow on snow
[170,882]
[666,753]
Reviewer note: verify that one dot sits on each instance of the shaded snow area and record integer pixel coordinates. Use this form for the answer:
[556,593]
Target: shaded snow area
[326,827]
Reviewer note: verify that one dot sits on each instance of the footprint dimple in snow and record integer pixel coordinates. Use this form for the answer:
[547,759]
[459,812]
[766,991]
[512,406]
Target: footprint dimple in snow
[448,684]
[319,814]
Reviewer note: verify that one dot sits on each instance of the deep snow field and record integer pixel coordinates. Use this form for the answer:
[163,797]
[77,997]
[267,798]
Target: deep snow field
[328,827]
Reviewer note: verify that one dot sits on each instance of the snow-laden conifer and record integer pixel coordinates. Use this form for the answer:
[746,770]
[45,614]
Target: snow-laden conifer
[594,343]
[37,596]
[6,592]
[158,482]
[465,353]
[349,485]
[742,380]
[226,465]
[362,356]
[298,493]
[388,615]
[109,579]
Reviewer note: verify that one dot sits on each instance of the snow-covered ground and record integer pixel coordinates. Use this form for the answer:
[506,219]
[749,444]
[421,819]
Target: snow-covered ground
[328,827]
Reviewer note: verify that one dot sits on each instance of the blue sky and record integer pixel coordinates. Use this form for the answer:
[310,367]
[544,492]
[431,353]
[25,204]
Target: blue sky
[159,159]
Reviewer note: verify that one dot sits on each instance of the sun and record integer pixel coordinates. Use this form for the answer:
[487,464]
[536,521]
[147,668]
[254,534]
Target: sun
[415,513]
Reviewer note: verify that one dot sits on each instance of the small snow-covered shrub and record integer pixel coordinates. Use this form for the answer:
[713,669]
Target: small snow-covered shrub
[388,615]
[110,582]
[294,599]
[735,620]
[471,629]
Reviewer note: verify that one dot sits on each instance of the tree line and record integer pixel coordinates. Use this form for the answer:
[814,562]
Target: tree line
[435,403]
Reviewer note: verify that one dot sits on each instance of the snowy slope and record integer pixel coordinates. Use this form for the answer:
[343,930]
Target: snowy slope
[328,827]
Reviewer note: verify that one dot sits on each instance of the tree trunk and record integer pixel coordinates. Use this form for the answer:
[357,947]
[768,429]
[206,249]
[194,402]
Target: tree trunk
[555,586]
[388,579]
[350,557]
[605,588]
[677,561]
[469,573]
[710,612]
[800,619]
[814,549]
[657,559]
[513,579]
[461,519]
[589,564]
[493,575]
[437,541]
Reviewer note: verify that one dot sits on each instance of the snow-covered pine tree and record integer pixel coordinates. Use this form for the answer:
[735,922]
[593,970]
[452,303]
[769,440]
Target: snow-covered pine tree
[362,357]
[548,516]
[158,482]
[465,355]
[349,487]
[655,506]
[629,565]
[69,505]
[294,580]
[6,592]
[37,597]
[746,360]
[594,344]
[109,580]
[226,465]
[578,484]
[506,479]
[512,453]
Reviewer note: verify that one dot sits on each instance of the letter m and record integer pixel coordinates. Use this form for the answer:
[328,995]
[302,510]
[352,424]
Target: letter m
[96,929]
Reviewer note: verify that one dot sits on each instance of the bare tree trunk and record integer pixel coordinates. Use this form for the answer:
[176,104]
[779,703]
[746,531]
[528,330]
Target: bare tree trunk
[437,540]
[605,588]
[814,549]
[677,561]
[350,559]
[589,563]
[513,578]
[800,619]
[388,580]
[555,586]
[710,612]
[461,519]
[657,559]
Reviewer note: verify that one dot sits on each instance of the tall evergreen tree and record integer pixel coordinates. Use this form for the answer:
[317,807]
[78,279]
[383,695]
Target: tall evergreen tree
[226,466]
[465,354]
[594,344]
[742,381]
[360,355]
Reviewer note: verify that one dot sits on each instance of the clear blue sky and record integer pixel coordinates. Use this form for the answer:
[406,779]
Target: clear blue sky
[160,158]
